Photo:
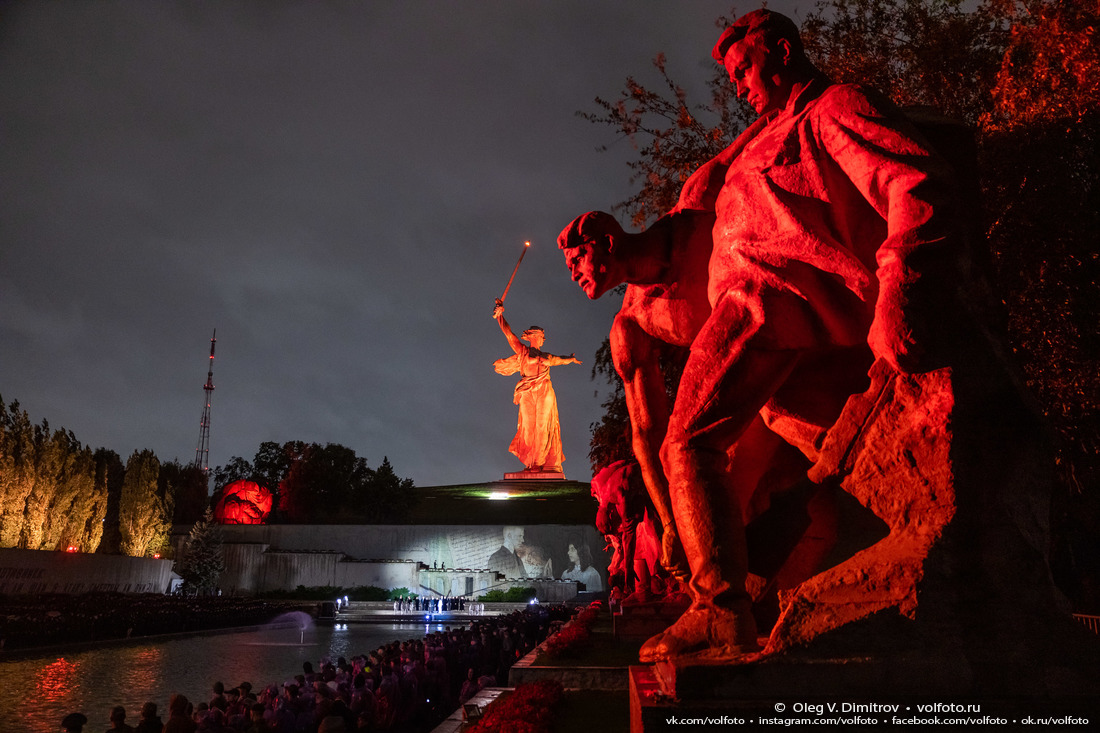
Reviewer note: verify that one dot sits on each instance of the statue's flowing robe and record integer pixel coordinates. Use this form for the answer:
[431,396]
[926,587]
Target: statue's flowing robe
[538,434]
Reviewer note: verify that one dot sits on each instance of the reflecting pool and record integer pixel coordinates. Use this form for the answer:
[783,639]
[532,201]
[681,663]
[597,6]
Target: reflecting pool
[39,691]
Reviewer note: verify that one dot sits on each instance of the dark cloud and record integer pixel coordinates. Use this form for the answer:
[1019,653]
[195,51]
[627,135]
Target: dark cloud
[340,188]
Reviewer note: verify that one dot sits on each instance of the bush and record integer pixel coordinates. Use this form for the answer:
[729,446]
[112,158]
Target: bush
[331,592]
[512,595]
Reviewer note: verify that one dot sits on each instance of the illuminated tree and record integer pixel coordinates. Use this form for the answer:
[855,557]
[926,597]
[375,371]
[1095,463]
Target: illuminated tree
[75,503]
[47,492]
[144,515]
[672,137]
[17,470]
[1042,186]
[942,54]
[85,527]
[203,560]
[49,454]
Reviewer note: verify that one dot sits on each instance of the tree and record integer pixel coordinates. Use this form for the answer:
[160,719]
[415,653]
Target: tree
[942,54]
[47,488]
[1042,187]
[187,485]
[77,507]
[109,475]
[235,469]
[611,436]
[314,483]
[675,136]
[387,497]
[203,561]
[49,455]
[18,473]
[144,515]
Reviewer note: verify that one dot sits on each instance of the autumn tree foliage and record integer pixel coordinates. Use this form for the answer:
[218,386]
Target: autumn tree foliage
[942,54]
[144,513]
[1025,74]
[49,499]
[671,135]
[327,484]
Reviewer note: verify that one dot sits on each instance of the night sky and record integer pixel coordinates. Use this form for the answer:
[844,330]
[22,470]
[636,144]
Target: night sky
[341,189]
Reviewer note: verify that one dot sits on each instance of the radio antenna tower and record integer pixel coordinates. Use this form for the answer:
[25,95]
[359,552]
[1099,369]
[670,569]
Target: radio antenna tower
[202,453]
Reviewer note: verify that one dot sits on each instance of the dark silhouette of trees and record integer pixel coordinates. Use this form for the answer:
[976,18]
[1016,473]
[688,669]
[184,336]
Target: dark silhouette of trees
[328,484]
[203,561]
[187,485]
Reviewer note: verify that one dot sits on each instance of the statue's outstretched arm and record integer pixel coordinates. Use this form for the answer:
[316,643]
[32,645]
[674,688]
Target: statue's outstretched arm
[513,340]
[552,360]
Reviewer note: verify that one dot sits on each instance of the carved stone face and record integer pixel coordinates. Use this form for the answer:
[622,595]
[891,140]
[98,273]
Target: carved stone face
[757,72]
[535,338]
[592,268]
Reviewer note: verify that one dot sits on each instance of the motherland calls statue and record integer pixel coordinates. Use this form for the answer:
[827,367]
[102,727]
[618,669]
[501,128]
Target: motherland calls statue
[824,240]
[538,434]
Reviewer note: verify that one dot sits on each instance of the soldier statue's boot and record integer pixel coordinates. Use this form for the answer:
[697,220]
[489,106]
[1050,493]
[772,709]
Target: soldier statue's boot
[717,633]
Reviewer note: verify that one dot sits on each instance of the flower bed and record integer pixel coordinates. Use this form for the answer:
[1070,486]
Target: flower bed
[528,709]
[574,636]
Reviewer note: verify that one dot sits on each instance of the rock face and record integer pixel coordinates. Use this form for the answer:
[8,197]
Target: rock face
[891,451]
[957,466]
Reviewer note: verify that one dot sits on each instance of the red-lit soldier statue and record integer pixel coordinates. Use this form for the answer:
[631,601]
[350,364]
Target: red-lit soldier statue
[822,215]
[626,515]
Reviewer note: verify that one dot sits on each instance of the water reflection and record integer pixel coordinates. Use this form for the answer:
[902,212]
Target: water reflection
[54,680]
[38,692]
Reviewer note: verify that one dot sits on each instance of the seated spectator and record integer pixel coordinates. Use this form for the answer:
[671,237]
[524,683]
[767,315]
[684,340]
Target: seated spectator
[118,721]
[74,722]
[179,715]
[150,722]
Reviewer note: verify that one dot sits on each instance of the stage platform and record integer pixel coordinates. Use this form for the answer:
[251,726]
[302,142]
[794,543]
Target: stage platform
[381,612]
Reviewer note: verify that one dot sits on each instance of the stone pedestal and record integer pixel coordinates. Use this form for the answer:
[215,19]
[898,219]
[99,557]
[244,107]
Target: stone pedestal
[640,622]
[866,692]
[955,606]
[535,475]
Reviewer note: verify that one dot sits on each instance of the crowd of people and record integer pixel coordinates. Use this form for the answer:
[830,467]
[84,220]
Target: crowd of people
[438,604]
[402,686]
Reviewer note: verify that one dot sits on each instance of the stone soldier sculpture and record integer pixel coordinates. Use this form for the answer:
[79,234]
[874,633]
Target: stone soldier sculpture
[823,216]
